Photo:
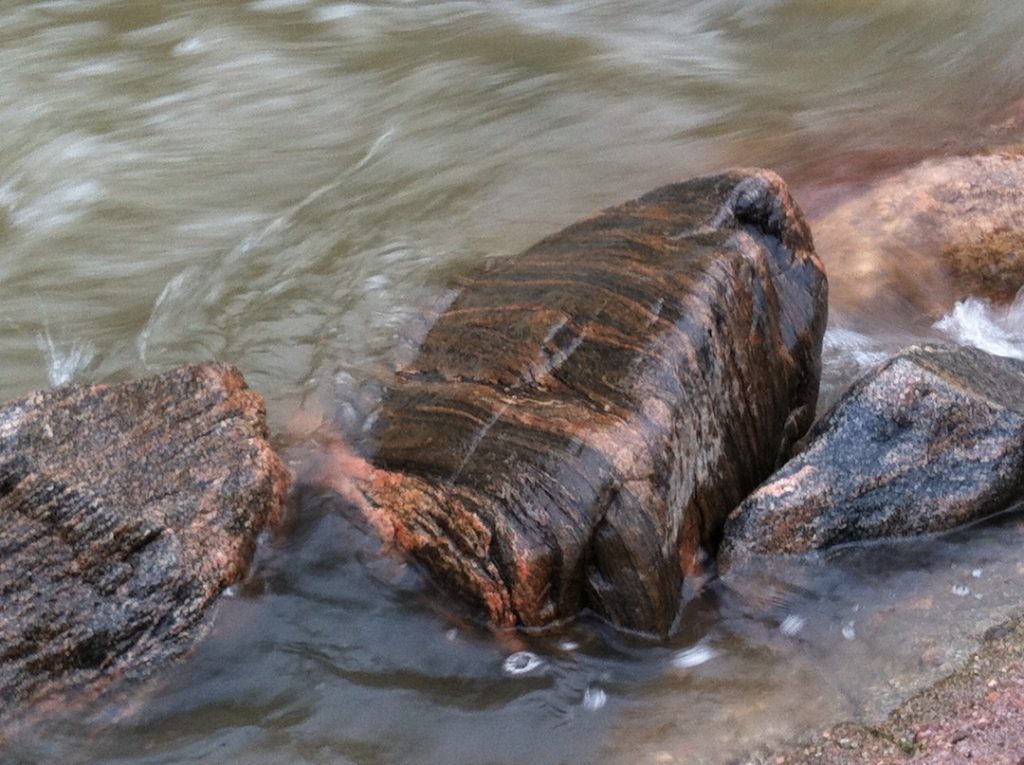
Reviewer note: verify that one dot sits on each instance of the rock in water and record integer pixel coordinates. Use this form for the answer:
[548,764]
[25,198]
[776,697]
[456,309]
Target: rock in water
[915,242]
[126,510]
[582,418]
[930,440]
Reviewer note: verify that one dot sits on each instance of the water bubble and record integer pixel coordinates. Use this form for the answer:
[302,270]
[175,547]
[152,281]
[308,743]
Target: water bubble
[594,698]
[694,656]
[792,624]
[961,590]
[452,634]
[569,645]
[231,592]
[976,573]
[849,632]
[521,662]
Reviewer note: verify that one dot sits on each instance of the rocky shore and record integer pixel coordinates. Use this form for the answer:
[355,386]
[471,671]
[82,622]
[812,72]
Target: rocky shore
[587,424]
[975,715]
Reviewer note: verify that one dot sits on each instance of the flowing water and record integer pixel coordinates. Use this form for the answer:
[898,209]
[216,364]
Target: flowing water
[291,186]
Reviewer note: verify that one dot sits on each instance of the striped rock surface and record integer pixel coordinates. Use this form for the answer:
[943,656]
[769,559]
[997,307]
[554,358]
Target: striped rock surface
[126,509]
[580,421]
[931,439]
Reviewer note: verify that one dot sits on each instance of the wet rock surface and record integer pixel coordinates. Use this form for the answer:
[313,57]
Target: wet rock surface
[918,240]
[126,510]
[975,715]
[931,439]
[582,418]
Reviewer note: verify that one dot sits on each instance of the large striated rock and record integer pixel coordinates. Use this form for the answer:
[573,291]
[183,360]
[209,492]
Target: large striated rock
[125,510]
[932,439]
[920,239]
[582,418]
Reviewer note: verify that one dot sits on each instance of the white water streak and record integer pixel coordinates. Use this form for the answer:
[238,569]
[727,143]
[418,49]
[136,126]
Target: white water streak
[994,329]
[64,364]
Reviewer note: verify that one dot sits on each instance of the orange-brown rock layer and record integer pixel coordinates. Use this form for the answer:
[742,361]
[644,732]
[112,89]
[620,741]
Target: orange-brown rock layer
[126,510]
[920,239]
[582,418]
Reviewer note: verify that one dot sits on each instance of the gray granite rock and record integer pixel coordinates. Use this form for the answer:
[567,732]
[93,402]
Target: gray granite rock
[125,509]
[931,439]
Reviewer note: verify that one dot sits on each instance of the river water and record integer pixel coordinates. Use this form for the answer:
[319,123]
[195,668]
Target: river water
[291,186]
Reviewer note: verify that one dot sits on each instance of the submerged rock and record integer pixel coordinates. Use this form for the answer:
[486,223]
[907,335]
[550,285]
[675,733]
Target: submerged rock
[921,239]
[931,439]
[582,418]
[126,510]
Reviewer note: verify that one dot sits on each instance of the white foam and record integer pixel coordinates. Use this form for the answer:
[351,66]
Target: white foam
[276,5]
[995,329]
[64,365]
[855,346]
[694,656]
[338,11]
[792,624]
[594,698]
[60,206]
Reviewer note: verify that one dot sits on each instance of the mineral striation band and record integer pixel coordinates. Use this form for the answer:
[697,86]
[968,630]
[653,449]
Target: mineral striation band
[583,417]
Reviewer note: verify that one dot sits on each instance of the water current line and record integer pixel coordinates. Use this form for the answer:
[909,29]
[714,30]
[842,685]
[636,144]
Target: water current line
[177,284]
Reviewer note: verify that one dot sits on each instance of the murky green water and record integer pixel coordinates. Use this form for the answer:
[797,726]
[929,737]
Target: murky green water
[288,185]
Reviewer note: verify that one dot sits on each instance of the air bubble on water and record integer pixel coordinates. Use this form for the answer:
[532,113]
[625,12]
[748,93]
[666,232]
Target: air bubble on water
[452,634]
[594,698]
[521,663]
[694,656]
[976,573]
[849,632]
[962,590]
[792,624]
[569,645]
[231,592]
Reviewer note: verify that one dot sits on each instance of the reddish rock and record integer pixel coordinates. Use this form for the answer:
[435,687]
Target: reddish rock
[126,510]
[922,238]
[582,418]
[931,439]
[976,715]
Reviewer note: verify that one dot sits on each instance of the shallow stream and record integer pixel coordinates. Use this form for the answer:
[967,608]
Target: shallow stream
[292,185]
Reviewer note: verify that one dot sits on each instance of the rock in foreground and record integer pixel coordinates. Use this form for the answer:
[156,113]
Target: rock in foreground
[932,439]
[125,509]
[582,418]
